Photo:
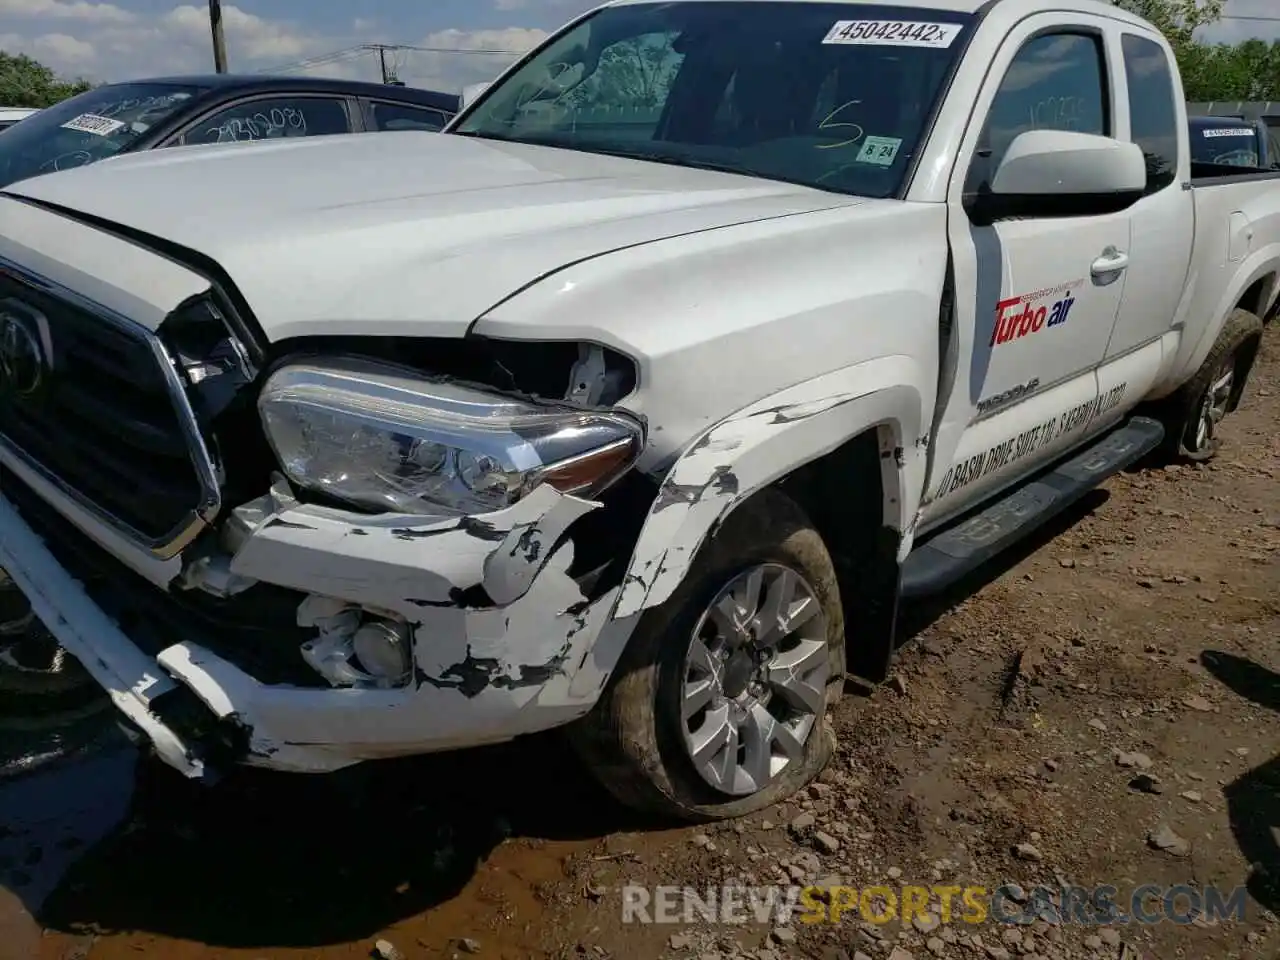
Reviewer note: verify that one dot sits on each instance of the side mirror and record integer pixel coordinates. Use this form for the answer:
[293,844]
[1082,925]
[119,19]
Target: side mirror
[1055,173]
[472,93]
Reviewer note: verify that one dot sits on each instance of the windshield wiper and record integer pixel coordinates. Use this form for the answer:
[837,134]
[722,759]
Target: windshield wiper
[655,156]
[677,160]
[652,156]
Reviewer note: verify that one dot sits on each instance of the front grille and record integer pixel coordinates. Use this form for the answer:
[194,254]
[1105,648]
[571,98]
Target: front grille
[106,423]
[256,630]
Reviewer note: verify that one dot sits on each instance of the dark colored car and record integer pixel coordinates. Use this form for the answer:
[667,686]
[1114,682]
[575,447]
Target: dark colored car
[221,108]
[1230,142]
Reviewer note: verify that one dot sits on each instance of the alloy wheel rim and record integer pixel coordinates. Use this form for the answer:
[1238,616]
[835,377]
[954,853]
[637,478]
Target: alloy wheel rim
[1213,407]
[754,679]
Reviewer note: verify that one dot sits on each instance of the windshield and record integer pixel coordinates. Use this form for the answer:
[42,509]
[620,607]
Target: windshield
[1231,145]
[88,127]
[829,95]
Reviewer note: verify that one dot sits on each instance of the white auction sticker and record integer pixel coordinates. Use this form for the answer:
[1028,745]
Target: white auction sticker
[893,33]
[1227,132]
[92,123]
[879,150]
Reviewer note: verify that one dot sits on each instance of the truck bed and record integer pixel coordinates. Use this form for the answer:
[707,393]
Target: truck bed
[1237,217]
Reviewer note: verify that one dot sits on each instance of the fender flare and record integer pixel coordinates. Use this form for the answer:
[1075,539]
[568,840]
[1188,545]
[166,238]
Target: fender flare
[1263,262]
[766,441]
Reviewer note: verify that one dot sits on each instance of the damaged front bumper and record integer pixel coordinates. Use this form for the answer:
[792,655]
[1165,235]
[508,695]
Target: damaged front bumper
[504,640]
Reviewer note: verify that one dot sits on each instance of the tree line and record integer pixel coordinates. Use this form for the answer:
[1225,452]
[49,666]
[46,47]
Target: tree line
[1212,71]
[1243,71]
[25,82]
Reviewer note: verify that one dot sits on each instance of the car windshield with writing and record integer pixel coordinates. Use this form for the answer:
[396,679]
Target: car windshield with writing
[1225,141]
[828,95]
[89,127]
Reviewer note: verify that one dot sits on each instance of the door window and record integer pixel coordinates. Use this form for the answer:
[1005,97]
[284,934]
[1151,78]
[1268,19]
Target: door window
[1056,82]
[1153,116]
[272,119]
[402,116]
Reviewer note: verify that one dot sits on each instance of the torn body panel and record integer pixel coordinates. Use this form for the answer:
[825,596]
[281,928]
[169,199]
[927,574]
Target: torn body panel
[760,445]
[409,564]
[499,630]
[471,688]
[128,676]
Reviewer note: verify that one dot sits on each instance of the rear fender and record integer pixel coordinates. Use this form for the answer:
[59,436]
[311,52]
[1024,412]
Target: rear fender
[1261,264]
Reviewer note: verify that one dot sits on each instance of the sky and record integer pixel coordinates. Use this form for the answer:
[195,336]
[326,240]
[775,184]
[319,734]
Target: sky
[122,39]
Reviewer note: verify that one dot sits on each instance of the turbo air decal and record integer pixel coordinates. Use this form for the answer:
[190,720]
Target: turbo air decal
[1029,313]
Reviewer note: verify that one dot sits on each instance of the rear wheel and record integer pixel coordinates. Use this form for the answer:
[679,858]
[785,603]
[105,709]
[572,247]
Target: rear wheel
[1197,410]
[719,705]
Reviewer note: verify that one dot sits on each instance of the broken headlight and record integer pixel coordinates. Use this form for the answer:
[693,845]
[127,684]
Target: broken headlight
[384,438]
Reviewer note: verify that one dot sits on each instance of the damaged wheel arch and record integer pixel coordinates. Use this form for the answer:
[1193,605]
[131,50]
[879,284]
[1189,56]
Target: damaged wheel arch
[765,444]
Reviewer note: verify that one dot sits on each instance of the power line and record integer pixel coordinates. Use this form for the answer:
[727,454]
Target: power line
[494,52]
[349,57]
[321,59]
[355,52]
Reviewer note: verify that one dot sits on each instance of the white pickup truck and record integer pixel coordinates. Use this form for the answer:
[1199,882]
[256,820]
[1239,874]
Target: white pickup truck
[636,403]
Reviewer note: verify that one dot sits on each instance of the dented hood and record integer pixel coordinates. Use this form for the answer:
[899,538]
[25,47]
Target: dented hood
[403,233]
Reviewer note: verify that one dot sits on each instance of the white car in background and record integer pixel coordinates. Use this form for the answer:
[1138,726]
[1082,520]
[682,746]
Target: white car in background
[11,115]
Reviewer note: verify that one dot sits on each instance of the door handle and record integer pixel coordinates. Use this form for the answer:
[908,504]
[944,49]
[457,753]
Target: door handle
[1111,261]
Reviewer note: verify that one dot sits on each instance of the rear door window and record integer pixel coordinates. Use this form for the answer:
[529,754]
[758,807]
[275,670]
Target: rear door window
[403,116]
[1153,115]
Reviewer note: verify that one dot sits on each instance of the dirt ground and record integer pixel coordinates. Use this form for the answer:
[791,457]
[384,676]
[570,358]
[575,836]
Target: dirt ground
[1103,708]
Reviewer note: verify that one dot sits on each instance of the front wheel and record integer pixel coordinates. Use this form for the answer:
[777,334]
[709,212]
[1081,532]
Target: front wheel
[719,704]
[36,674]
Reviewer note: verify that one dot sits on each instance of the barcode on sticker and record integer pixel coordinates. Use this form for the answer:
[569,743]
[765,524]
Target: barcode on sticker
[893,33]
[92,123]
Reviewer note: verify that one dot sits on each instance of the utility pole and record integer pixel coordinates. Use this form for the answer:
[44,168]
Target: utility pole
[382,58]
[219,41]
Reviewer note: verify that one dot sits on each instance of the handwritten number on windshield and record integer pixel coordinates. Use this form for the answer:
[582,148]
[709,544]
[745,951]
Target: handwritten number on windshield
[829,122]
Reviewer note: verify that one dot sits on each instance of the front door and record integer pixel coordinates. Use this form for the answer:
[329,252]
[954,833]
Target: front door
[1037,298]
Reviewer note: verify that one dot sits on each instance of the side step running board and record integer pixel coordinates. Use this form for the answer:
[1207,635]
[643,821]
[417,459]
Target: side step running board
[944,559]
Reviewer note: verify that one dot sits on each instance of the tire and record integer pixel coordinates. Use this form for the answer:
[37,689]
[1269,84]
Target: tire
[1195,411]
[37,676]
[634,739]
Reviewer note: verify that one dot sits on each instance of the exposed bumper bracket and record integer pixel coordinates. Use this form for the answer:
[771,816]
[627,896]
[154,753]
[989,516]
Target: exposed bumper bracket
[133,680]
